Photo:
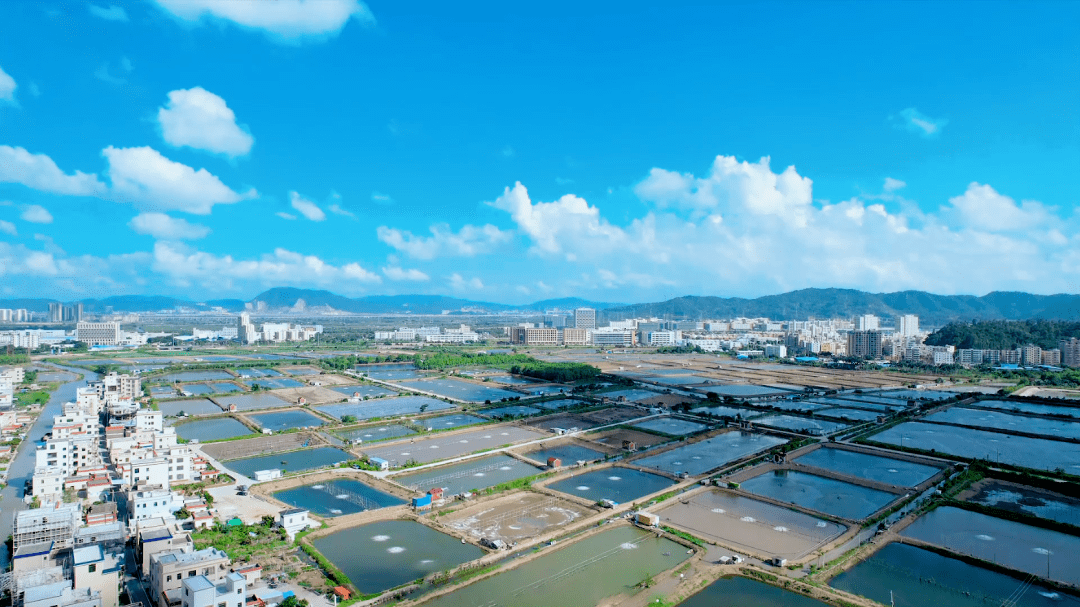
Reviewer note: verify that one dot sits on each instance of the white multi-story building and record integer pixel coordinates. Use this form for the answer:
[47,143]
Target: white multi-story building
[585,318]
[908,325]
[146,502]
[200,591]
[778,351]
[664,338]
[575,337]
[98,333]
[867,322]
[113,387]
[245,329]
[1070,352]
[609,338]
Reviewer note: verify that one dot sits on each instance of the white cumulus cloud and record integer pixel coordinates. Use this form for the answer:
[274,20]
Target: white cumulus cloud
[467,242]
[200,119]
[891,185]
[7,87]
[306,207]
[164,227]
[36,214]
[108,13]
[186,266]
[982,207]
[551,224]
[282,20]
[151,181]
[39,172]
[6,227]
[396,273]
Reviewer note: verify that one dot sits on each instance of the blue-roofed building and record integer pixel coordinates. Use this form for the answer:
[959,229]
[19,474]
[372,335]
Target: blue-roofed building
[34,556]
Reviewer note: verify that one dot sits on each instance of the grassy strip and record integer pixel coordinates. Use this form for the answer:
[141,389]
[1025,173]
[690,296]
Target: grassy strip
[329,570]
[684,535]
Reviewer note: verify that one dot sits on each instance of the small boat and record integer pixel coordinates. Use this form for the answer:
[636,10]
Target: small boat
[284,462]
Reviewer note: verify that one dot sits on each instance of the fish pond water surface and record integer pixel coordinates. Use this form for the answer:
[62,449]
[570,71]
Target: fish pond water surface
[1027,500]
[819,493]
[379,556]
[337,497]
[914,577]
[293,461]
[568,453]
[1035,453]
[211,429]
[1014,545]
[617,484]
[742,592]
[702,456]
[580,574]
[871,467]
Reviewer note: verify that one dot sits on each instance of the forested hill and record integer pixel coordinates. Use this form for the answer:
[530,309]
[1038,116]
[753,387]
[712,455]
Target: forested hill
[1003,334]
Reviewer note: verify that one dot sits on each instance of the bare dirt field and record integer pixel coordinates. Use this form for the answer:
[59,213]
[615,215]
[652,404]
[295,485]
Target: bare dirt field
[741,523]
[613,415]
[248,447]
[615,437]
[514,518]
[313,395]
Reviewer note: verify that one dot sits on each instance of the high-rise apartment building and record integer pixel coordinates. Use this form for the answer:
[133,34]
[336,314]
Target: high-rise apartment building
[245,330]
[864,344]
[1070,352]
[908,325]
[585,318]
[867,322]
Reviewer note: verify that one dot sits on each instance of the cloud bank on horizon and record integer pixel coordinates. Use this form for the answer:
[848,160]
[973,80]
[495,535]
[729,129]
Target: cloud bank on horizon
[204,179]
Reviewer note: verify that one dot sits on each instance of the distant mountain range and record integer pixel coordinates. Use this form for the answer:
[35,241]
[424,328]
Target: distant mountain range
[933,310]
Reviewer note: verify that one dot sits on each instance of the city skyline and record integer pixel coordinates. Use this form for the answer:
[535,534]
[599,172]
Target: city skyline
[191,150]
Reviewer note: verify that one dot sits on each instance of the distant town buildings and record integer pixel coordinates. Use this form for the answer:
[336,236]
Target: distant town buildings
[1070,352]
[273,332]
[864,344]
[98,333]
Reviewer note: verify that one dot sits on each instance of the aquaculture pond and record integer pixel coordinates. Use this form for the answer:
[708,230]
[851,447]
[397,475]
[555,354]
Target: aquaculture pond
[386,407]
[192,376]
[616,484]
[568,453]
[907,576]
[394,373]
[379,556]
[869,466]
[742,390]
[1035,453]
[272,383]
[702,456]
[368,435]
[562,403]
[511,410]
[743,592]
[479,473]
[251,402]
[671,426]
[858,415]
[818,493]
[445,422]
[580,574]
[630,395]
[839,402]
[337,497]
[459,389]
[196,389]
[211,429]
[1008,405]
[723,411]
[293,461]
[225,387]
[286,420]
[364,391]
[188,406]
[514,380]
[1007,421]
[1028,500]
[1015,545]
[797,405]
[248,373]
[801,425]
[917,394]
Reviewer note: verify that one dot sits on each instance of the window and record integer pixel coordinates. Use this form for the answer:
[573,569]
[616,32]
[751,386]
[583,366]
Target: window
[168,578]
[191,573]
[92,568]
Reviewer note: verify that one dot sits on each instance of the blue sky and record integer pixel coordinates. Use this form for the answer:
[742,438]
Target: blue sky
[617,151]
